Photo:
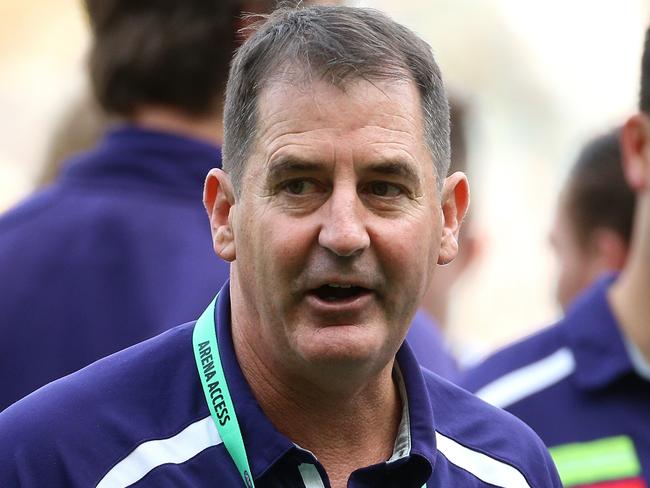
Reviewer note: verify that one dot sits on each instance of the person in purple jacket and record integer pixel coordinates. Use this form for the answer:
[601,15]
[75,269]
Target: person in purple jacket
[592,228]
[332,213]
[584,384]
[117,249]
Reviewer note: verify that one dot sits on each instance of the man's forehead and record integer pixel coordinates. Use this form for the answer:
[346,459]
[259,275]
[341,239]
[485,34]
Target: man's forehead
[285,97]
[288,110]
[294,136]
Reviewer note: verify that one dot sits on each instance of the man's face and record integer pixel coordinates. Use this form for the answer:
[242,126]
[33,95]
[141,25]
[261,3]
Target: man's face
[338,226]
[578,267]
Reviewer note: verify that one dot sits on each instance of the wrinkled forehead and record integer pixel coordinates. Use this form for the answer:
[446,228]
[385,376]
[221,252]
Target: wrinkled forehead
[290,105]
[329,88]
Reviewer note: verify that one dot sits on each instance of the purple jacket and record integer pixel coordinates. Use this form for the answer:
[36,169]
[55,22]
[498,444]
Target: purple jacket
[117,250]
[575,384]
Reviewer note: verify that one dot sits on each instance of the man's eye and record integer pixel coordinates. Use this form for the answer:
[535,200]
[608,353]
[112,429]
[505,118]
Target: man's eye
[384,189]
[299,187]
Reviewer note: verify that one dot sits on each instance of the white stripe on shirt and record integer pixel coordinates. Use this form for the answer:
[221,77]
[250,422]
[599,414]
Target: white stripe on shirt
[528,380]
[175,450]
[310,476]
[482,466]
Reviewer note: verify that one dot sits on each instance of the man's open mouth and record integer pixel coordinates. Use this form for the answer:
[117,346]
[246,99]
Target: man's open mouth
[335,292]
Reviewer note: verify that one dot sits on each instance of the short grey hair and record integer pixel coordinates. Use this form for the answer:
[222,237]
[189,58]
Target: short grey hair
[337,44]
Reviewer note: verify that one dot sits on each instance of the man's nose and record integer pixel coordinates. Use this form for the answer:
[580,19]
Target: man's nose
[344,227]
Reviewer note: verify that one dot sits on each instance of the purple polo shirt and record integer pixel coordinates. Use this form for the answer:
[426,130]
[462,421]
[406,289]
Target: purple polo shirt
[117,250]
[139,418]
[575,385]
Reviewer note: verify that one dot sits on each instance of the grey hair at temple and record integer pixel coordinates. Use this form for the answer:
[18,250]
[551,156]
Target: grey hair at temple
[339,45]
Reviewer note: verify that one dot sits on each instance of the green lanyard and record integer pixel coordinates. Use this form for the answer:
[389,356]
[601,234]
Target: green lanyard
[217,395]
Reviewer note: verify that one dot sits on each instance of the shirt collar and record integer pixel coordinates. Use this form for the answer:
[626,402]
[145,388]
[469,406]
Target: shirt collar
[129,154]
[402,446]
[595,339]
[421,421]
[415,446]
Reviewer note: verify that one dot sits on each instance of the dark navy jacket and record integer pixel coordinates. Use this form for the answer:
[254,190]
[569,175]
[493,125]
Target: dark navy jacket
[139,418]
[116,251]
[575,385]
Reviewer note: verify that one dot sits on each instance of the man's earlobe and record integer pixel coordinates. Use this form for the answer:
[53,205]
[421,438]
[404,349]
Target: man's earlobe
[454,201]
[219,202]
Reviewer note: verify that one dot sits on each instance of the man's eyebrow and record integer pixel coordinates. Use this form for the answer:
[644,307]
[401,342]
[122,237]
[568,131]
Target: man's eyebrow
[288,165]
[395,168]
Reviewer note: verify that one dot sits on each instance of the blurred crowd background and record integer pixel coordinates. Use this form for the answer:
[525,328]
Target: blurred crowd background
[538,80]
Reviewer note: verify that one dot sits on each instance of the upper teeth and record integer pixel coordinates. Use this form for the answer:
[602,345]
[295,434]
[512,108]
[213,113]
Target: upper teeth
[336,285]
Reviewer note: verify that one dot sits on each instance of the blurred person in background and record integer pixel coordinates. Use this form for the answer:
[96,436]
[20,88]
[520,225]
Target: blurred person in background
[584,384]
[427,333]
[117,250]
[593,221]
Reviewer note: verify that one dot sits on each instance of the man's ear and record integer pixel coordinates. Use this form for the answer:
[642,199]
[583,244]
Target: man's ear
[219,200]
[454,201]
[635,149]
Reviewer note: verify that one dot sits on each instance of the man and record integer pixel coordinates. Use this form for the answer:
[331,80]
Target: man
[593,222]
[117,250]
[331,213]
[584,384]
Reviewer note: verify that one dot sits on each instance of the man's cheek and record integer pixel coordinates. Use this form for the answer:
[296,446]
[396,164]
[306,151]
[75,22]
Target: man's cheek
[405,250]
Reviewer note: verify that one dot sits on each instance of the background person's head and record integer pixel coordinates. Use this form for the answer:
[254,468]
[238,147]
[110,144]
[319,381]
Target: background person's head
[635,146]
[629,295]
[164,53]
[593,222]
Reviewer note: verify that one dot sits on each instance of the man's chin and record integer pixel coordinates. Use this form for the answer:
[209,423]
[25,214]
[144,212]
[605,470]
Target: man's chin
[344,346]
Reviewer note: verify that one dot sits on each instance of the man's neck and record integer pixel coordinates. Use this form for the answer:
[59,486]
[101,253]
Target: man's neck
[208,128]
[340,427]
[629,295]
